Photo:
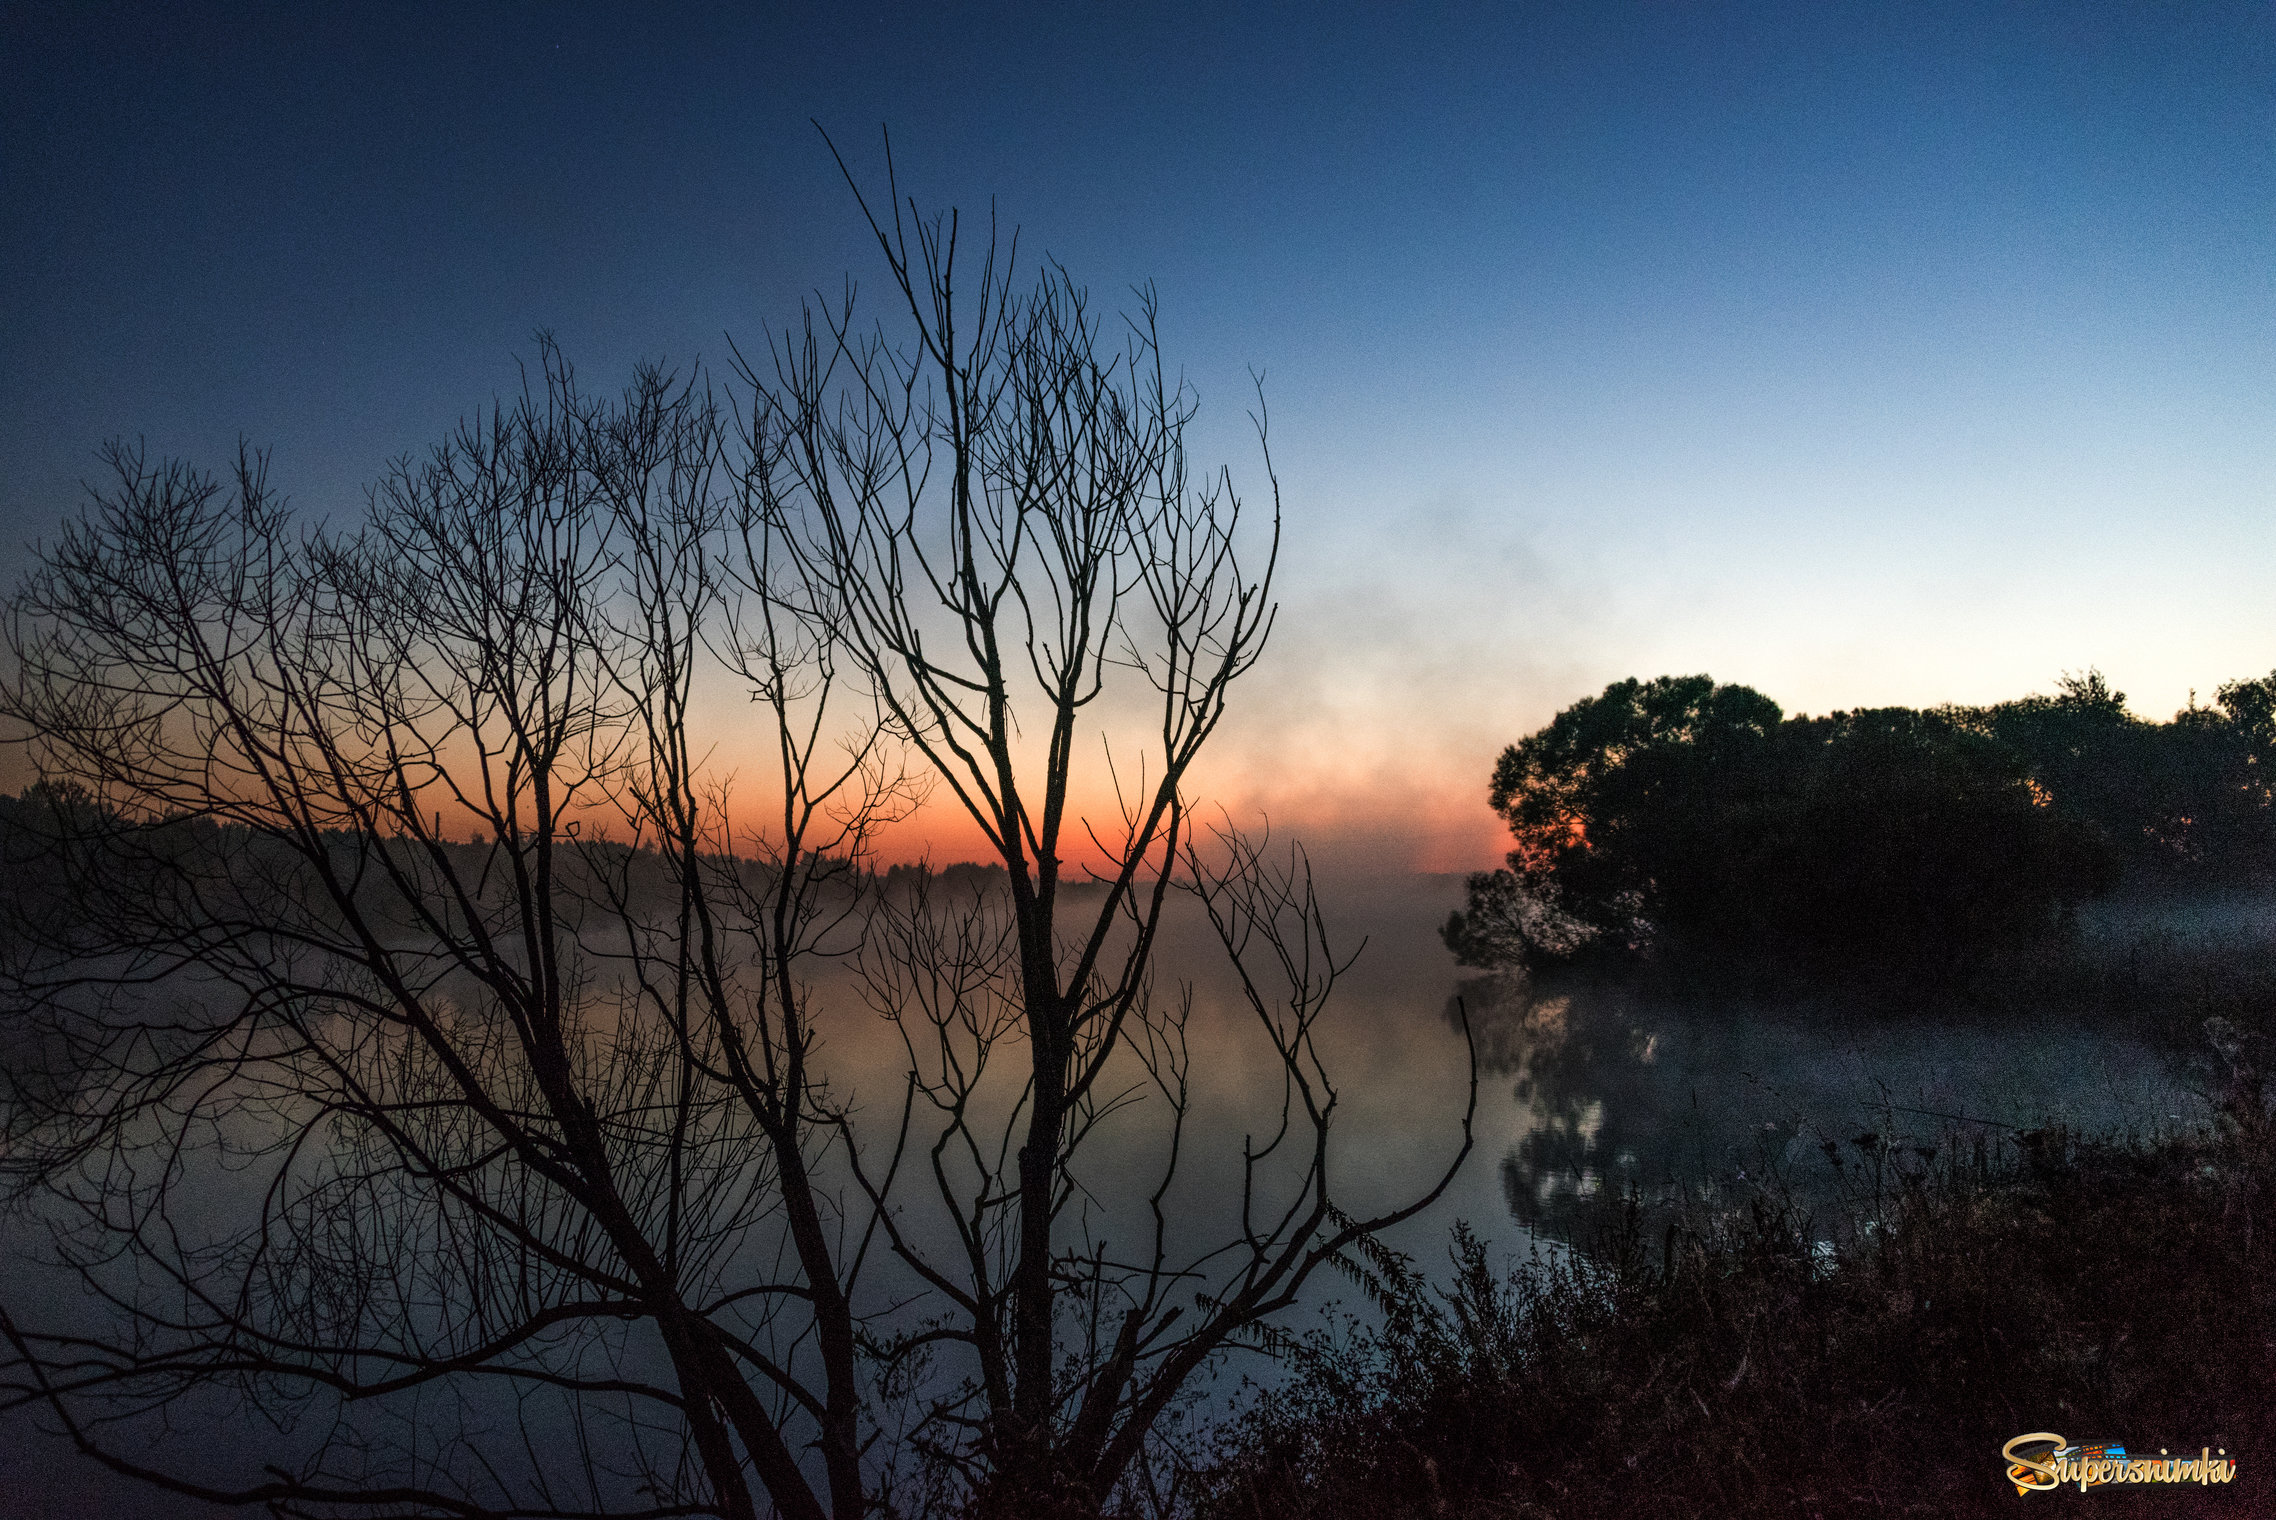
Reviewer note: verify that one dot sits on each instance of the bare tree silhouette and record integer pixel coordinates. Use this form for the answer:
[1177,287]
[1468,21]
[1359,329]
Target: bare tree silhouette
[505,1177]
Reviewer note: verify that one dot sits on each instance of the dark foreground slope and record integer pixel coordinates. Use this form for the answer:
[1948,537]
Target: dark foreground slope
[1743,1365]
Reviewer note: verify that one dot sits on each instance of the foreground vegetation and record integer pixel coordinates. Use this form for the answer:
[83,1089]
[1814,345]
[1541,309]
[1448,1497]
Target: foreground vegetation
[1751,1360]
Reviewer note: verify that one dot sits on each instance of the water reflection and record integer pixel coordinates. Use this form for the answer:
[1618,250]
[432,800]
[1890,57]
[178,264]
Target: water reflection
[1631,1090]
[1590,1090]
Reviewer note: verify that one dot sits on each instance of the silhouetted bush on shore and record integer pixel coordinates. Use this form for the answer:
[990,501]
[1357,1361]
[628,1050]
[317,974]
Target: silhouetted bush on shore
[1678,818]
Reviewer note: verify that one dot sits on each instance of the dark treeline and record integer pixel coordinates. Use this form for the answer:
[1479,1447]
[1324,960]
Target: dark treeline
[1680,817]
[47,821]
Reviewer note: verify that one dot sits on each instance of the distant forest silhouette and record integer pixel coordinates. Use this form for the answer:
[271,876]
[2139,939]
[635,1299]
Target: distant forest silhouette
[50,831]
[1681,818]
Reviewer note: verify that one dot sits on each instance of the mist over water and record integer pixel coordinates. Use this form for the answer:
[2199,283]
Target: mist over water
[1588,1086]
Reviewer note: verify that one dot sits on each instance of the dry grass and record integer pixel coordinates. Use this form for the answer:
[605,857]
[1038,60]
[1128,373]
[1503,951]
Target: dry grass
[1744,1363]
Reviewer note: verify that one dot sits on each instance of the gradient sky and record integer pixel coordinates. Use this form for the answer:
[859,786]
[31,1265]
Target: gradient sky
[1864,354]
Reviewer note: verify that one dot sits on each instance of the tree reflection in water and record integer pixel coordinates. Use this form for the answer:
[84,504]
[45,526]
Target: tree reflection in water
[1690,1104]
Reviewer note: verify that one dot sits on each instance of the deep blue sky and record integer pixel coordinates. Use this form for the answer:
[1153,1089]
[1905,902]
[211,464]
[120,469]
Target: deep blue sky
[1863,353]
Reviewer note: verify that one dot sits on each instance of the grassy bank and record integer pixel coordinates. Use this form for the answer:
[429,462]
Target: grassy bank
[1754,1361]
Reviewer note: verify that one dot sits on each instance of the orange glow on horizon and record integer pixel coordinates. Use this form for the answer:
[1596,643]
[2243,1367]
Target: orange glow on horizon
[1343,822]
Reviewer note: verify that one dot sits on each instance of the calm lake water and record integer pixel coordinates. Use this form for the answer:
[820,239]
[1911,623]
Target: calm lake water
[1588,1086]
[1583,1090]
